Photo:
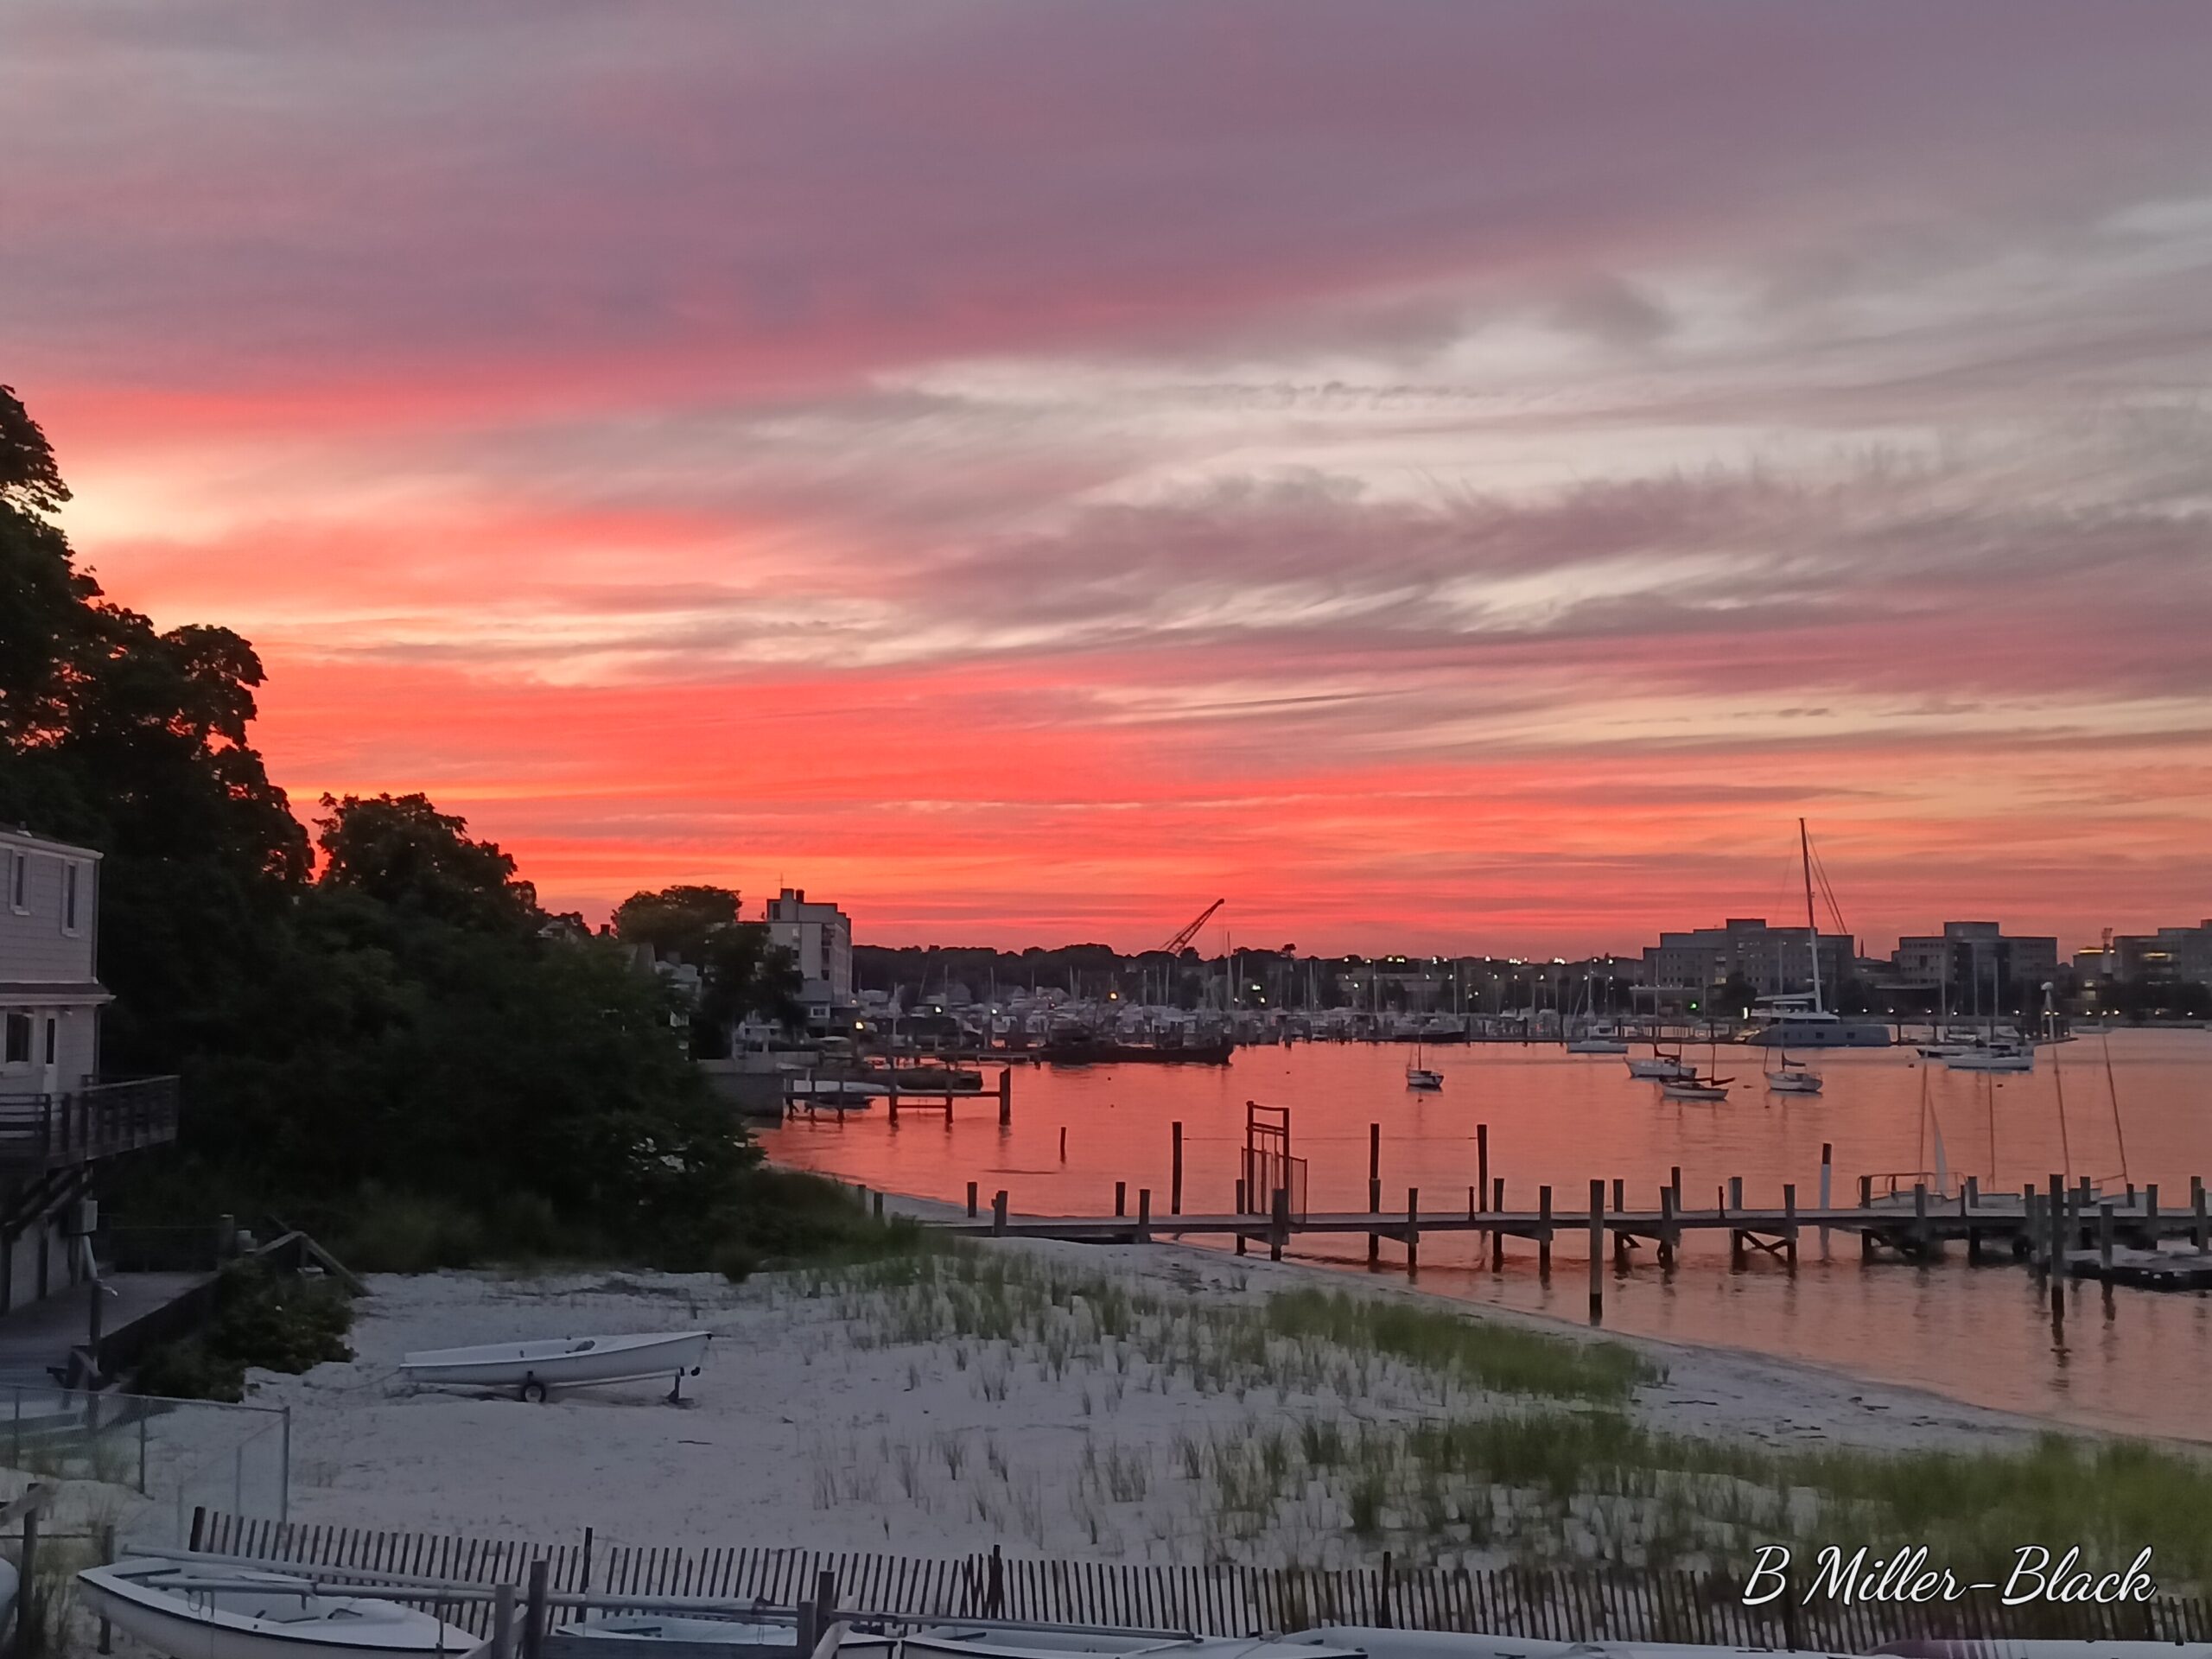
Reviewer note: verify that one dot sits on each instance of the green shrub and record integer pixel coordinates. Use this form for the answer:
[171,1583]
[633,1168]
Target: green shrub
[272,1321]
[407,1232]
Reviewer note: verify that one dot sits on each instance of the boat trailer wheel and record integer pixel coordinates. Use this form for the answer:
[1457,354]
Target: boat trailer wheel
[533,1391]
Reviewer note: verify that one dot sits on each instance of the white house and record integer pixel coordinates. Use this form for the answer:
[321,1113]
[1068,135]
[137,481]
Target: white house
[59,1119]
[50,993]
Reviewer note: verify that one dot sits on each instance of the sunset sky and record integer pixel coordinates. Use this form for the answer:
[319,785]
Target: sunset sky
[1452,476]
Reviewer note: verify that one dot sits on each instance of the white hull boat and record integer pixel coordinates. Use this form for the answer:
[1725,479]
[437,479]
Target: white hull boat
[533,1368]
[753,1630]
[1794,1082]
[1695,1089]
[257,1615]
[1423,1081]
[1597,1045]
[1994,1058]
[1662,1068]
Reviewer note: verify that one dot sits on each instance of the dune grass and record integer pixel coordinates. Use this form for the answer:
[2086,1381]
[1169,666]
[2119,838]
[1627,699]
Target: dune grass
[1327,1427]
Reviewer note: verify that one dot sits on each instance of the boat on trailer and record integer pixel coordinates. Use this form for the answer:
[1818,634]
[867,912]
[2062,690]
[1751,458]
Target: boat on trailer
[206,1611]
[533,1369]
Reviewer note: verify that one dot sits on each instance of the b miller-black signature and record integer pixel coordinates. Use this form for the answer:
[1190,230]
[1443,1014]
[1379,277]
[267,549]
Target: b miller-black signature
[1906,1576]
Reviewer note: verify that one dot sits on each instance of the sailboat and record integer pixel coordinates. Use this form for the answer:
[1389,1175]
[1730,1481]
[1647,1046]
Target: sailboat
[1419,1077]
[1795,1076]
[1993,1053]
[1662,1068]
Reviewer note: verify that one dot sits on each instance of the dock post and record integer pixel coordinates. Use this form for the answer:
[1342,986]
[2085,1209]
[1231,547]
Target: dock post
[1005,1105]
[1597,1252]
[1543,1232]
[2196,1229]
[2104,1235]
[1482,1160]
[1144,1214]
[1827,1196]
[1063,1143]
[1175,1168]
[1920,1219]
[971,1200]
[1736,1194]
[1279,1225]
[1620,1237]
[1667,1229]
[1121,1198]
[1866,1191]
[1374,1191]
[2031,1228]
[1413,1229]
[502,1622]
[1789,1225]
[998,1214]
[1241,1212]
[2151,1216]
[2058,1247]
[1674,1182]
[891,1094]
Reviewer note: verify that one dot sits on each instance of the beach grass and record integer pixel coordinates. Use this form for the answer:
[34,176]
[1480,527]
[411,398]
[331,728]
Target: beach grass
[1367,1423]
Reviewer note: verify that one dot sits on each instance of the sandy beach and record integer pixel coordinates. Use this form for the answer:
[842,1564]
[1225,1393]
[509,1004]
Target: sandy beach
[1128,1415]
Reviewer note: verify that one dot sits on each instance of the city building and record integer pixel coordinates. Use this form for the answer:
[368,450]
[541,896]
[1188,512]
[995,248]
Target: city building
[820,937]
[1773,961]
[2174,953]
[1966,957]
[60,1120]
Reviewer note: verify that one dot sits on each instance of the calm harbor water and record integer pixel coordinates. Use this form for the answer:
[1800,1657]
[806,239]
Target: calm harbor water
[2124,1359]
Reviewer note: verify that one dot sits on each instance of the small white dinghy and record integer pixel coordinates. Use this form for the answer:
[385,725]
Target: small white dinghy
[533,1368]
[779,1631]
[257,1615]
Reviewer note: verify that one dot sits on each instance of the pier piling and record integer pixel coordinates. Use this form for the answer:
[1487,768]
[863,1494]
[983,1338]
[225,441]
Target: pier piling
[1789,1224]
[1373,1189]
[1827,1169]
[1242,1209]
[1278,1227]
[1543,1232]
[1413,1229]
[2104,1235]
[1597,1252]
[1482,1159]
[1005,1105]
[998,1213]
[2150,1216]
[2058,1247]
[2197,1226]
[971,1200]
[1667,1234]
[1121,1198]
[1497,1236]
[1175,1169]
[1144,1214]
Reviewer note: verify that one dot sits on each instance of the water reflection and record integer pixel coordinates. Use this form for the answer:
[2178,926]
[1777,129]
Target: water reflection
[1992,1334]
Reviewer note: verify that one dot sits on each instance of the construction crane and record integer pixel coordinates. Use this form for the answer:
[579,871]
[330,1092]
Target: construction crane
[1174,946]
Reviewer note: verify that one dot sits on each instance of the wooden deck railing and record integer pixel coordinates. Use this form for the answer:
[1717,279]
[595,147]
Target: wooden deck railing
[96,1121]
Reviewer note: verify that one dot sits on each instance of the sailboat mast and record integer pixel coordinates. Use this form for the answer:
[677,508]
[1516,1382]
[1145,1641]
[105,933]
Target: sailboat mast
[1812,928]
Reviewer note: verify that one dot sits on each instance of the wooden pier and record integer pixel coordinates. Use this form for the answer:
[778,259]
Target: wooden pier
[2058,1230]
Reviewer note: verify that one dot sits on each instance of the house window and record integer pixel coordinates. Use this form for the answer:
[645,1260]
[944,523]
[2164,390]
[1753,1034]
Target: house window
[18,1050]
[70,872]
[19,864]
